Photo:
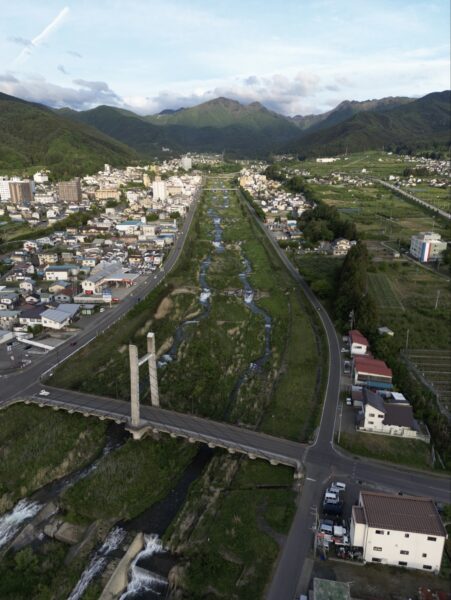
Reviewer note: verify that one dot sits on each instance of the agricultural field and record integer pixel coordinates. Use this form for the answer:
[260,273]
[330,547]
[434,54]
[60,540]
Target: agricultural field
[434,367]
[381,288]
[439,197]
[406,295]
[380,214]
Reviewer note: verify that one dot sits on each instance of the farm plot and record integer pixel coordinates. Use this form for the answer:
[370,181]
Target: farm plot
[435,367]
[381,289]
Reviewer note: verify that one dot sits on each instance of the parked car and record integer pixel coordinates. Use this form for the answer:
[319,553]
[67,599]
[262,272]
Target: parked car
[44,393]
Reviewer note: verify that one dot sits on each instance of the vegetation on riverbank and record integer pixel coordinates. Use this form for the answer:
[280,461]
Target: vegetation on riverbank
[128,480]
[34,452]
[230,528]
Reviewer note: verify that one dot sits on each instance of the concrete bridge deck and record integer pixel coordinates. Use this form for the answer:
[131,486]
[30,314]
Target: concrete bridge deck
[158,420]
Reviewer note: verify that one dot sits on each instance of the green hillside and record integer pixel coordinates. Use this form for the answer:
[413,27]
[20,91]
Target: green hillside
[347,109]
[213,126]
[33,135]
[419,124]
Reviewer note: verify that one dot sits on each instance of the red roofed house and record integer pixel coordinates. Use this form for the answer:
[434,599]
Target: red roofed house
[372,373]
[358,343]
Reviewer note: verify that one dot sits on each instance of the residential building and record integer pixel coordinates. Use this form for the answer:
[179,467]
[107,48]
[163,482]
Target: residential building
[5,193]
[69,191]
[341,246]
[159,189]
[60,272]
[390,415]
[21,191]
[59,317]
[427,247]
[8,318]
[398,530]
[186,163]
[358,344]
[40,177]
[372,373]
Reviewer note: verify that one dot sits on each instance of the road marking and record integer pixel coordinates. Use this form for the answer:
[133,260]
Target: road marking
[309,479]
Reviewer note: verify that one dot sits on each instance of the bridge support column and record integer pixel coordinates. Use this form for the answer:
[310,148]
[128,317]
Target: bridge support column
[152,362]
[134,385]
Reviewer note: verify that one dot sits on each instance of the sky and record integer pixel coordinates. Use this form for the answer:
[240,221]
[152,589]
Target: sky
[293,56]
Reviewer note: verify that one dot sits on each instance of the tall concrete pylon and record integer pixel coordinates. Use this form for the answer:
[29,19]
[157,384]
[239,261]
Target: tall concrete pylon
[135,362]
[152,363]
[134,385]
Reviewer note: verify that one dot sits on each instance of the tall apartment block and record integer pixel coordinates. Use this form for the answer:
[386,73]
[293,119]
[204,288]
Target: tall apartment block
[69,191]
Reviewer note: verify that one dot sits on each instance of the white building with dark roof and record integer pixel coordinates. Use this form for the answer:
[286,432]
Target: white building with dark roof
[390,415]
[405,531]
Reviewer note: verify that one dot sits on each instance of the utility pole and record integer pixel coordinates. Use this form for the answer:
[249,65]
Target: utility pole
[315,530]
[436,300]
[407,340]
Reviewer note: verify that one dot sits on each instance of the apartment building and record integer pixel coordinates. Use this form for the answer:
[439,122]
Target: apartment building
[404,531]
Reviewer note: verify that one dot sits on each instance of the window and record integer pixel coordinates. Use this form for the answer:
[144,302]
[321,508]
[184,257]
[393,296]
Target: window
[371,415]
[402,563]
[377,549]
[379,531]
[378,560]
[424,555]
[370,422]
[404,552]
[380,416]
[431,539]
[427,567]
[407,535]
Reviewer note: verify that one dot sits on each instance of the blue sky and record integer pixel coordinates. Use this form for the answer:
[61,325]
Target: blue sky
[294,56]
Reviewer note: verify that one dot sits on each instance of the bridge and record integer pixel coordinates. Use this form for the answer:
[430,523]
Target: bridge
[155,420]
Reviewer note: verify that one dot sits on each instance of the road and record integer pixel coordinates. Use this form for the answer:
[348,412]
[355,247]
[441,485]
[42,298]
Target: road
[409,196]
[322,459]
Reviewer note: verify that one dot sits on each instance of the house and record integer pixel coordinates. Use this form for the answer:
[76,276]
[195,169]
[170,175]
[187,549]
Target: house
[65,295]
[59,317]
[8,318]
[58,286]
[358,344]
[31,316]
[341,246]
[48,258]
[371,372]
[60,272]
[9,299]
[390,416]
[26,285]
[404,531]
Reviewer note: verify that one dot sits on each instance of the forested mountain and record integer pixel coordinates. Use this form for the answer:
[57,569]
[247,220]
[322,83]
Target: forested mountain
[32,134]
[420,124]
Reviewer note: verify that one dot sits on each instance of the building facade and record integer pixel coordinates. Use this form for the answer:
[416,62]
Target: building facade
[69,191]
[404,531]
[427,247]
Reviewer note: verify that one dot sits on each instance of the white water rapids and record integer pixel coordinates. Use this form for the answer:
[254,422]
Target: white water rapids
[11,522]
[141,580]
[98,562]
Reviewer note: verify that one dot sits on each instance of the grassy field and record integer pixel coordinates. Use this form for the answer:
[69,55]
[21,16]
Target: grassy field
[219,348]
[406,452]
[381,288]
[439,197]
[39,445]
[128,480]
[232,542]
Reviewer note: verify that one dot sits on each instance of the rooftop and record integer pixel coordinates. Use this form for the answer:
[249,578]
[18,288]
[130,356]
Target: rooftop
[367,364]
[357,337]
[402,513]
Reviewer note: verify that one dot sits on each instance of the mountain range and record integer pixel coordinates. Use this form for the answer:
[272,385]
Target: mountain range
[69,141]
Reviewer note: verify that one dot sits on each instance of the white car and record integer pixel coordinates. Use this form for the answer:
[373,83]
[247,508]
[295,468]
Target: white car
[339,485]
[44,393]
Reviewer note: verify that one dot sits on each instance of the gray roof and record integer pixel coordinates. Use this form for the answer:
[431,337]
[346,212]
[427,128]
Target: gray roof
[399,414]
[374,400]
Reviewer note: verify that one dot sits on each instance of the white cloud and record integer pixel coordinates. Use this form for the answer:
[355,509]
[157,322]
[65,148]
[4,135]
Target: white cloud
[86,95]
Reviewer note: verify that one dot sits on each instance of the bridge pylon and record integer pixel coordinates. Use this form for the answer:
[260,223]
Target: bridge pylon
[136,427]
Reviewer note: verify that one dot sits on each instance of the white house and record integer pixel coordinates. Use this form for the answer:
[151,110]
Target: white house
[57,318]
[358,343]
[404,531]
[390,416]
